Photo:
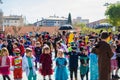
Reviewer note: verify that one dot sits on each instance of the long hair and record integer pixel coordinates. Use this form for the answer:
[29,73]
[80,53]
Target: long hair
[4,50]
[46,47]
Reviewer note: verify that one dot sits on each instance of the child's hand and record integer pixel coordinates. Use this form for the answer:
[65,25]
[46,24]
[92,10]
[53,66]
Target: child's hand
[40,66]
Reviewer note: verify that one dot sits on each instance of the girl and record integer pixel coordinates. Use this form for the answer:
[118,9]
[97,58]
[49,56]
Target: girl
[113,62]
[5,64]
[84,67]
[46,62]
[61,70]
[28,64]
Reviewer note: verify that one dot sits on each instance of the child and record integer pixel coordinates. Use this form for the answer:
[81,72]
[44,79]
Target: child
[113,62]
[93,66]
[46,62]
[38,51]
[84,67]
[28,65]
[61,70]
[5,64]
[17,65]
[73,62]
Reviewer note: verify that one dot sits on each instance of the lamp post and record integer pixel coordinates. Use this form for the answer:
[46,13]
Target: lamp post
[106,5]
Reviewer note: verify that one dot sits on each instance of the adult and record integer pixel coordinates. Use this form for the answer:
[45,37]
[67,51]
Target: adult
[104,52]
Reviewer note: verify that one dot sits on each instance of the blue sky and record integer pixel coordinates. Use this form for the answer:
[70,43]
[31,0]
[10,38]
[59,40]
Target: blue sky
[36,9]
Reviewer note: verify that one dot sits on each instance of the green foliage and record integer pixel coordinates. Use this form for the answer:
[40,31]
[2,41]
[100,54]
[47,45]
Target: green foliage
[69,19]
[113,14]
[87,30]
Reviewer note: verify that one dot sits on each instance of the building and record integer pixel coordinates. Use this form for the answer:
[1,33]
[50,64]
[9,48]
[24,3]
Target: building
[1,20]
[96,23]
[13,20]
[52,21]
[80,20]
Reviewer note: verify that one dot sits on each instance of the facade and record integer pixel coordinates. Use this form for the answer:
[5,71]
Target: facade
[96,23]
[52,21]
[13,20]
[80,20]
[1,20]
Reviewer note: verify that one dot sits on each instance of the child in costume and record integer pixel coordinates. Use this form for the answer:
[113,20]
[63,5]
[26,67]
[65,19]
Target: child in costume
[46,62]
[17,65]
[114,65]
[38,51]
[73,62]
[28,64]
[5,64]
[61,72]
[93,66]
[84,67]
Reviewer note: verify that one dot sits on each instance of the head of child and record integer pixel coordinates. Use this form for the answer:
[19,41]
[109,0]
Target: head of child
[85,51]
[38,44]
[15,45]
[113,47]
[68,44]
[29,52]
[60,53]
[17,52]
[4,52]
[46,49]
[74,48]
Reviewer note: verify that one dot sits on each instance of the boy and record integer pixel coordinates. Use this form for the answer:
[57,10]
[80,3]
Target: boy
[28,65]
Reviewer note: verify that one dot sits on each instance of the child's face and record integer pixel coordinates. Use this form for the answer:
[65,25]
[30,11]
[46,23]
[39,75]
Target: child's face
[47,51]
[38,45]
[14,46]
[60,54]
[85,52]
[5,53]
[29,54]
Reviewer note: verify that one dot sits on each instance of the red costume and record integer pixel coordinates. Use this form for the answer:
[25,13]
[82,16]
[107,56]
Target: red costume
[17,64]
[4,70]
[46,61]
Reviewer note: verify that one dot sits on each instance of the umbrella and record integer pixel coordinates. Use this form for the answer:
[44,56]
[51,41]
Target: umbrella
[103,25]
[66,27]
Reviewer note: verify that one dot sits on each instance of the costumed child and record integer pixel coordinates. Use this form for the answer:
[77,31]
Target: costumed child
[38,51]
[73,62]
[17,65]
[46,62]
[93,66]
[5,64]
[84,67]
[28,64]
[61,72]
[114,65]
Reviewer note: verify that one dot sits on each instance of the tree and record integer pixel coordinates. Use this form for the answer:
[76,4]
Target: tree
[16,30]
[113,14]
[69,19]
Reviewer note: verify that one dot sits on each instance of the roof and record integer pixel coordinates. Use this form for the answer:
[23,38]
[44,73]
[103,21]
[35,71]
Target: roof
[26,29]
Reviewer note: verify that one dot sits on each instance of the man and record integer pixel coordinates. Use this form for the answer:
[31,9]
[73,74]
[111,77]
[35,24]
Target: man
[104,52]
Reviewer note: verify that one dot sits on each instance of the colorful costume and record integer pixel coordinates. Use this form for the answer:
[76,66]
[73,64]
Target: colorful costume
[84,67]
[17,67]
[4,66]
[93,67]
[46,61]
[61,72]
[28,67]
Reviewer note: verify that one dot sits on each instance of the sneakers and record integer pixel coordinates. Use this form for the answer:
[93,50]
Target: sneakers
[115,77]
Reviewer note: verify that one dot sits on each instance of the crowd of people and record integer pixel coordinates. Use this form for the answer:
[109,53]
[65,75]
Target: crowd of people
[97,54]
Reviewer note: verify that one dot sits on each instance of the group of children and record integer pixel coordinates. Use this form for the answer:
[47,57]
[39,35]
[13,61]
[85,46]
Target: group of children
[18,64]
[70,57]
